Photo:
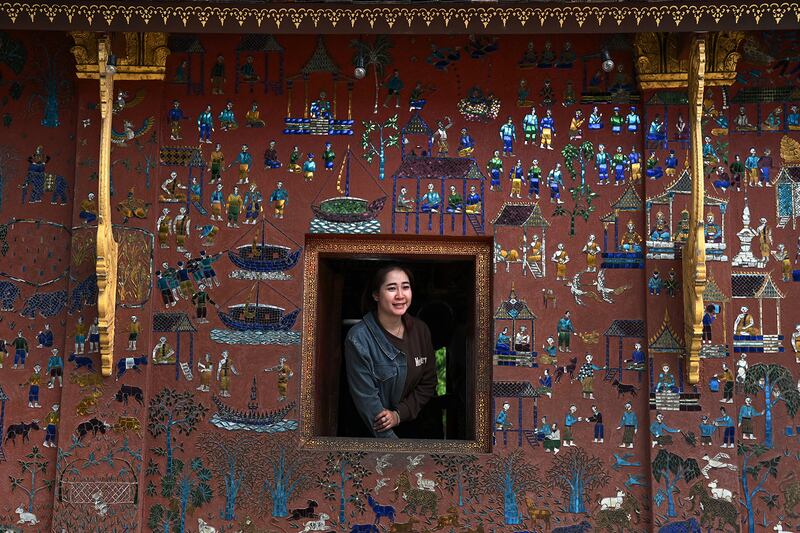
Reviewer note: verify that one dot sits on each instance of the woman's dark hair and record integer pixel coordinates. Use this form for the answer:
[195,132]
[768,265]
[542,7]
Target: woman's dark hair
[368,303]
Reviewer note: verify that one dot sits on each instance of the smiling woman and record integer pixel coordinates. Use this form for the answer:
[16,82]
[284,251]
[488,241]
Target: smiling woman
[395,343]
[391,367]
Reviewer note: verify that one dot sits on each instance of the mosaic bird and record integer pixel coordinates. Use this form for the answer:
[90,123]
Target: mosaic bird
[607,293]
[379,484]
[128,133]
[122,101]
[382,462]
[414,462]
[632,480]
[623,460]
[576,289]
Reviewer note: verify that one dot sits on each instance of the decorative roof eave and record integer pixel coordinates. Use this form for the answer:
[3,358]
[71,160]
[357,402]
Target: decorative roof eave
[634,329]
[713,293]
[629,200]
[507,17]
[536,220]
[769,290]
[666,340]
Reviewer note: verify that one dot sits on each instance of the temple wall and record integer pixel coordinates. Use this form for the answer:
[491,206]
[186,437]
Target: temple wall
[151,451]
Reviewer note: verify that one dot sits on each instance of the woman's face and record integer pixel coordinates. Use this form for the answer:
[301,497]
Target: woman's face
[394,295]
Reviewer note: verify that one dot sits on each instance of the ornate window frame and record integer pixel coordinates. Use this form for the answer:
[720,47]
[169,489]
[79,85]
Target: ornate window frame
[397,247]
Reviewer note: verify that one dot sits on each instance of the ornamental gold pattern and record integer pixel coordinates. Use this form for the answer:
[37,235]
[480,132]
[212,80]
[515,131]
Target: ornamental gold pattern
[145,56]
[659,64]
[694,256]
[394,246]
[106,245]
[231,18]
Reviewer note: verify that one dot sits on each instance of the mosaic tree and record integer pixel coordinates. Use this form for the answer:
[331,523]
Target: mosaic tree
[459,472]
[375,55]
[171,411]
[371,150]
[286,472]
[582,195]
[758,473]
[186,488]
[583,154]
[778,385]
[343,469]
[576,473]
[233,459]
[54,86]
[35,464]
[671,468]
[511,475]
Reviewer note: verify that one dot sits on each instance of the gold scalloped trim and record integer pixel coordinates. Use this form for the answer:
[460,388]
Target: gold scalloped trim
[665,17]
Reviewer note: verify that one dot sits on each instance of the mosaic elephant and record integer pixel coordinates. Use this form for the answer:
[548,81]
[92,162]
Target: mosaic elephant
[47,304]
[8,295]
[37,183]
[84,293]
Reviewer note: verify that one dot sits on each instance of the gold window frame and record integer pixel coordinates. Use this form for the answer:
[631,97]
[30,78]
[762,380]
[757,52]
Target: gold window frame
[398,247]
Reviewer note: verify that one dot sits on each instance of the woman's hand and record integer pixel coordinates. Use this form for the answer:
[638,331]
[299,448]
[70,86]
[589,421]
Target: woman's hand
[385,420]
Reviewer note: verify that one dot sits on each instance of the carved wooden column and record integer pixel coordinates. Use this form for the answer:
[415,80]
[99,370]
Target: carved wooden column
[106,266]
[142,56]
[694,254]
[660,64]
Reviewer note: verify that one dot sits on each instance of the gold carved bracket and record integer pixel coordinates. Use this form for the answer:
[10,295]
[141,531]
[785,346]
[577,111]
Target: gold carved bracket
[660,63]
[694,255]
[107,256]
[145,56]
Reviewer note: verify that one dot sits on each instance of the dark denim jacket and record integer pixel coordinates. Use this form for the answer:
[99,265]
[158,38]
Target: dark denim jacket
[376,371]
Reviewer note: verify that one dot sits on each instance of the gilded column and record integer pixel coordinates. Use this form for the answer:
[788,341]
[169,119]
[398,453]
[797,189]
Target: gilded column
[694,256]
[106,266]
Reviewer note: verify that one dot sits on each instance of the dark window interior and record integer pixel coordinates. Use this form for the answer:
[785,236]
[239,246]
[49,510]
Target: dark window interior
[444,298]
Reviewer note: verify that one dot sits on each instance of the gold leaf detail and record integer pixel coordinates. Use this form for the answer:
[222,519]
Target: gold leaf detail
[12,12]
[581,15]
[88,12]
[717,12]
[677,15]
[279,16]
[503,14]
[778,12]
[561,16]
[240,15]
[524,15]
[70,12]
[447,15]
[427,15]
[409,15]
[599,15]
[757,12]
[222,14]
[333,16]
[203,16]
[297,17]
[391,18]
[315,15]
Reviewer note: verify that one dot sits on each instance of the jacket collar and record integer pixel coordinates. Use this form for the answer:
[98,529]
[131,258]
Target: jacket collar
[389,349]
